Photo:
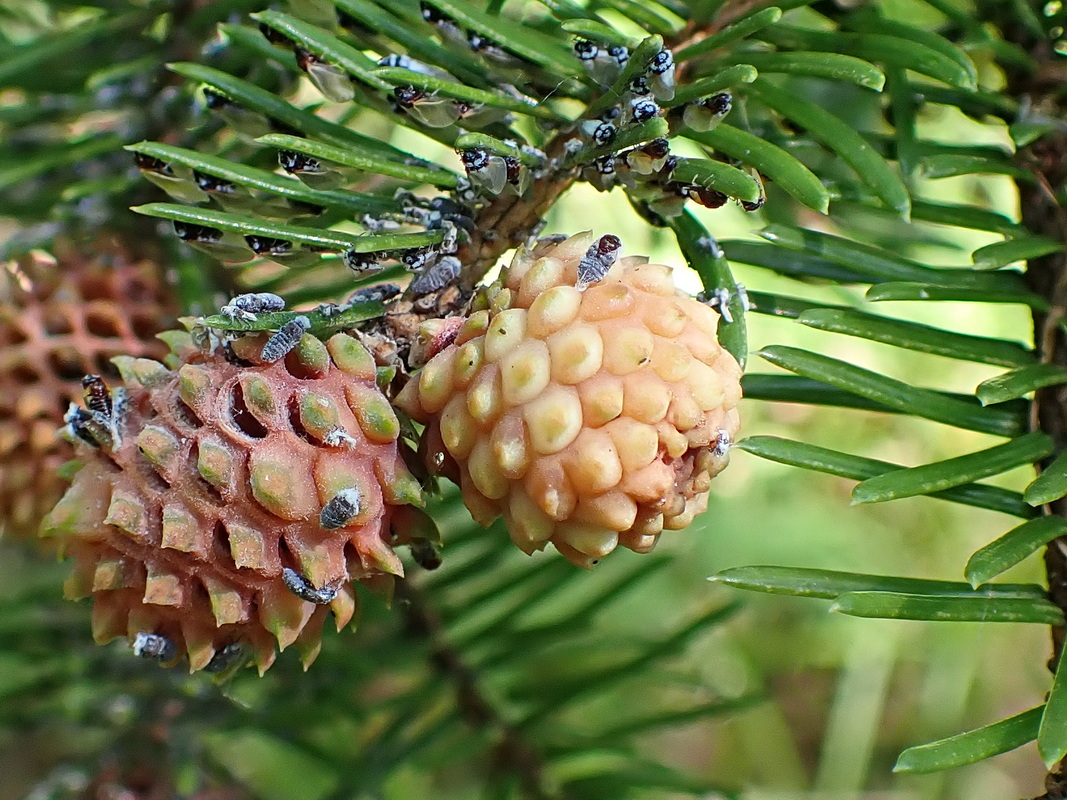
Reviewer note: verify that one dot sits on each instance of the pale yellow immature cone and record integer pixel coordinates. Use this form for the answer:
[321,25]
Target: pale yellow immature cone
[588,414]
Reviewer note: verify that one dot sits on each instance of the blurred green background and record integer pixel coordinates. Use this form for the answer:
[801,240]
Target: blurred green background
[843,695]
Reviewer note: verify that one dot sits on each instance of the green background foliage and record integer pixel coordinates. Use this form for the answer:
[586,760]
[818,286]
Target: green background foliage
[894,177]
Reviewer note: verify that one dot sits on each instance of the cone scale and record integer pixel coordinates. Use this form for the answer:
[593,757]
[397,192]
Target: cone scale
[214,520]
[586,414]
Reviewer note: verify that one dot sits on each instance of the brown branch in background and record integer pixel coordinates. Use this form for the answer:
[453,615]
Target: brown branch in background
[513,753]
[1042,214]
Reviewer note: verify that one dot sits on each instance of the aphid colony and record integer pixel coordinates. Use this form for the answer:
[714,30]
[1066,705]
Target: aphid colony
[228,503]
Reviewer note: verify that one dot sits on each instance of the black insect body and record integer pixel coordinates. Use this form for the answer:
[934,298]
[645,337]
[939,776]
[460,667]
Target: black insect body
[661,78]
[598,260]
[213,185]
[430,110]
[602,172]
[288,336]
[361,262]
[302,588]
[639,86]
[228,656]
[342,508]
[432,15]
[604,134]
[485,169]
[265,245]
[216,101]
[706,114]
[709,198]
[661,62]
[152,164]
[407,96]
[417,258]
[154,646]
[97,396]
[648,158]
[188,232]
[722,443]
[330,79]
[295,163]
[756,204]
[619,53]
[426,554]
[586,50]
[642,109]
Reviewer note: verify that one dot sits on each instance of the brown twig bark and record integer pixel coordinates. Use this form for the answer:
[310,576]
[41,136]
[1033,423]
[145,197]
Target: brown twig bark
[1042,213]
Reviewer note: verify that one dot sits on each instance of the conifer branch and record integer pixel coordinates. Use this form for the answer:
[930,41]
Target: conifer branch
[514,753]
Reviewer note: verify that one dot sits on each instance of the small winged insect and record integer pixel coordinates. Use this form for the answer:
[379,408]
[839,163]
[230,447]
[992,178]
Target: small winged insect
[425,553]
[642,109]
[445,210]
[216,101]
[99,422]
[619,53]
[585,50]
[416,258]
[330,79]
[436,276]
[297,163]
[97,397]
[147,163]
[446,26]
[154,646]
[213,185]
[201,234]
[709,198]
[601,173]
[648,158]
[342,508]
[518,175]
[429,109]
[604,134]
[603,66]
[639,86]
[176,183]
[229,656]
[485,169]
[661,75]
[759,201]
[267,246]
[302,588]
[247,306]
[360,263]
[705,115]
[722,443]
[288,336]
[598,260]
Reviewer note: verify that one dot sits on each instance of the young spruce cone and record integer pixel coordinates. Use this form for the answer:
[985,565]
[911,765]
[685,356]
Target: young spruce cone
[228,506]
[590,404]
[60,318]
